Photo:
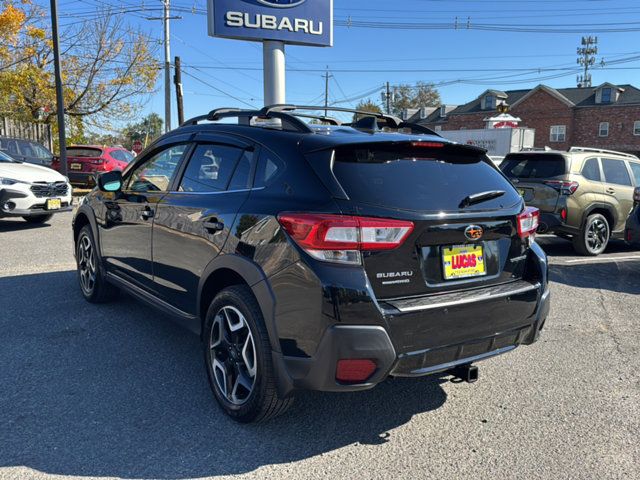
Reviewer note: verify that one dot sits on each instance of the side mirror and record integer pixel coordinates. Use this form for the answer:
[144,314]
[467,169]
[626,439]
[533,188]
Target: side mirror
[109,181]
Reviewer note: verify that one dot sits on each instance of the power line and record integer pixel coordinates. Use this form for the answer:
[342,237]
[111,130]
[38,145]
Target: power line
[218,89]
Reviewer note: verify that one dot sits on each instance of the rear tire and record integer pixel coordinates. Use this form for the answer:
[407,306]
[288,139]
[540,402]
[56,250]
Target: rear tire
[91,274]
[37,219]
[594,236]
[238,358]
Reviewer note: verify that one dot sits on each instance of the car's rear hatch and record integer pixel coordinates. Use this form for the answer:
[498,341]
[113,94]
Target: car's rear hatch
[531,173]
[84,159]
[455,244]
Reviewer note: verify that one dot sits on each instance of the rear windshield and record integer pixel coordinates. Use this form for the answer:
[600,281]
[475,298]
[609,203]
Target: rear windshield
[420,179]
[534,165]
[83,152]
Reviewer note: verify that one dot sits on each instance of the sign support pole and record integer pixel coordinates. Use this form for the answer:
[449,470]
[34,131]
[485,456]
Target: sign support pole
[274,72]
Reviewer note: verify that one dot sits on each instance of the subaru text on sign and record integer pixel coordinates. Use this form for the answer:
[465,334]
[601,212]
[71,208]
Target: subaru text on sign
[298,22]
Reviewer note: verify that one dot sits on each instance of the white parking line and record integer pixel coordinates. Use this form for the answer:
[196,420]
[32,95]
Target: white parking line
[604,259]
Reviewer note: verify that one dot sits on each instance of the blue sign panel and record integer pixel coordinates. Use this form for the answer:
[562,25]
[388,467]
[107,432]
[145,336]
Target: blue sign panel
[299,22]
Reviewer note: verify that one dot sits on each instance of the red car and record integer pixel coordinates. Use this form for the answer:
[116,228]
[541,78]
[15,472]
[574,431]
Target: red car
[84,161]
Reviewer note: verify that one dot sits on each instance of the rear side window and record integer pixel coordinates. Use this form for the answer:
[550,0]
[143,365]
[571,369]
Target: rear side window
[210,168]
[615,171]
[591,170]
[419,179]
[534,165]
[84,152]
[26,149]
[122,155]
[270,167]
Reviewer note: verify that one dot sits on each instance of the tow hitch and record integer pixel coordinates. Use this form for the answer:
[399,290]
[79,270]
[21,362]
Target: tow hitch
[465,373]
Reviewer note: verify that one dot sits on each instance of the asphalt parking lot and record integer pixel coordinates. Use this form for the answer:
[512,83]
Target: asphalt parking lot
[119,391]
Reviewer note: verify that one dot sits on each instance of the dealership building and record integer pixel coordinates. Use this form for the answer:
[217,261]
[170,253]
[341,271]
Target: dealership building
[606,116]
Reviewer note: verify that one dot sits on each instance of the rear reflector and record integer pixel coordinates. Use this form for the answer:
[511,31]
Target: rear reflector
[528,222]
[354,370]
[340,238]
[563,214]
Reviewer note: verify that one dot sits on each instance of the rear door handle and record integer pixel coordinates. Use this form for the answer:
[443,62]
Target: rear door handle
[611,191]
[147,213]
[213,225]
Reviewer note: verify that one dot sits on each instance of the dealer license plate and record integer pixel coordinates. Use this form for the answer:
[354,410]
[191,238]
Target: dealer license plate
[463,261]
[75,166]
[54,204]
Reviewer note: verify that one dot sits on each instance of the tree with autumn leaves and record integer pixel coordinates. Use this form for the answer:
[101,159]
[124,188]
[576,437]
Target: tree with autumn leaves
[108,67]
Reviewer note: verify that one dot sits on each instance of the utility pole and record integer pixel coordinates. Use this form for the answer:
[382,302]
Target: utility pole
[177,79]
[59,92]
[388,97]
[326,91]
[167,61]
[586,58]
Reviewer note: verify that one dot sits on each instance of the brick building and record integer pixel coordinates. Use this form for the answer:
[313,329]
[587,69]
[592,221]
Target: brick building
[607,116]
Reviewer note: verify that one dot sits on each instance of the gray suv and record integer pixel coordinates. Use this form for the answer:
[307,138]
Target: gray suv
[26,151]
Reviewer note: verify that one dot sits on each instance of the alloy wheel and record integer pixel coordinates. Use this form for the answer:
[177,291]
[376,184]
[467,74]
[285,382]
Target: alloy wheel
[86,264]
[233,355]
[597,235]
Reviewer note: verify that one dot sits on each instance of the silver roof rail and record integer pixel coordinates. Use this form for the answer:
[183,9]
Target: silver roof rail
[601,150]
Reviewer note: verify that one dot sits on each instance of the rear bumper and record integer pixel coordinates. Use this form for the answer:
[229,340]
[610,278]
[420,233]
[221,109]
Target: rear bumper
[632,229]
[81,178]
[516,317]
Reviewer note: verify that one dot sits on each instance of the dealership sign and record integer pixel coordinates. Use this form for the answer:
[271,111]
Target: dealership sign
[299,22]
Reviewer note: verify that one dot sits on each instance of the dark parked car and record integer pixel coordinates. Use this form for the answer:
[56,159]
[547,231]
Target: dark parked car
[324,257]
[632,230]
[26,151]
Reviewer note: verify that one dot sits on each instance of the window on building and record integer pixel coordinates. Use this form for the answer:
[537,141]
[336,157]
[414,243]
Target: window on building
[636,127]
[606,95]
[489,102]
[558,133]
[603,129]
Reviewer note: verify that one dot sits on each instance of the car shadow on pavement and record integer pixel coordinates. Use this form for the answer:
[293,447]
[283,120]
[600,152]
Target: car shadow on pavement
[17,225]
[612,276]
[558,247]
[117,390]
[603,272]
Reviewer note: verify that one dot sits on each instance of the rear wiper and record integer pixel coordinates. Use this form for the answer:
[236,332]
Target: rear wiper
[480,197]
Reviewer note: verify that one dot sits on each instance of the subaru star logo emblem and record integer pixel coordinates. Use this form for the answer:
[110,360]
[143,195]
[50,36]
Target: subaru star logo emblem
[282,3]
[474,232]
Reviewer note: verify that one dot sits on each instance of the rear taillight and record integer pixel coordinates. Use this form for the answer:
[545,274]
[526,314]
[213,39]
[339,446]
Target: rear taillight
[354,370]
[341,238]
[563,186]
[528,222]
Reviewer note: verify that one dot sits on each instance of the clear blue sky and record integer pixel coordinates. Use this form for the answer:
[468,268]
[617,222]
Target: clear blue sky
[465,62]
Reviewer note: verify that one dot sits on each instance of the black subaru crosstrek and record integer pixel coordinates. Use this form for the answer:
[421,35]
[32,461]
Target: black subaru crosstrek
[318,256]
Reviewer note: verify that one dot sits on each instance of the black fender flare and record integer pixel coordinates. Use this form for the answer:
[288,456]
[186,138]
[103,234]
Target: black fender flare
[88,212]
[600,206]
[255,277]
